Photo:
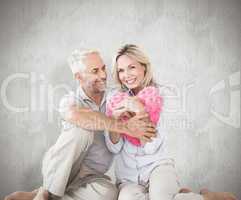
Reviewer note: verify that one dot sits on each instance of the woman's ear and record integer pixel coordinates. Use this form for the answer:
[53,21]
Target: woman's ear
[144,68]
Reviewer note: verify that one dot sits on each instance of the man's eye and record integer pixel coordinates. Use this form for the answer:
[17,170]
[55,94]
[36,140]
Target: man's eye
[132,67]
[94,70]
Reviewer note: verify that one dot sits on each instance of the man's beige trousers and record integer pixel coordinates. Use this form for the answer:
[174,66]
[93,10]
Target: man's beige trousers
[62,168]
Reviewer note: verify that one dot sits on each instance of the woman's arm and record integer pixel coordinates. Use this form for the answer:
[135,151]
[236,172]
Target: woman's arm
[115,136]
[113,147]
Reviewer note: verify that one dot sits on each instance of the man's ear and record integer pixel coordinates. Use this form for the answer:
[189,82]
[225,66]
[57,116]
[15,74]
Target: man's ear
[78,76]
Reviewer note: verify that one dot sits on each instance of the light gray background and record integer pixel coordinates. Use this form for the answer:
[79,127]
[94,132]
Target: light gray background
[193,45]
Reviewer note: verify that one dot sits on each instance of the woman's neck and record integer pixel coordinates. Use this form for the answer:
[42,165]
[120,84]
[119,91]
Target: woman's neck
[136,90]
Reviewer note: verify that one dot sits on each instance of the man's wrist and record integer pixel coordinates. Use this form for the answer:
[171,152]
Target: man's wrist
[118,126]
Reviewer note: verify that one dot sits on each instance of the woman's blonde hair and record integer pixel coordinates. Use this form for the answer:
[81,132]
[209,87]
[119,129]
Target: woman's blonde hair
[134,52]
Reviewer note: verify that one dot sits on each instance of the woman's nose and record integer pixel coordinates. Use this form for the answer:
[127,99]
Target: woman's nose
[126,73]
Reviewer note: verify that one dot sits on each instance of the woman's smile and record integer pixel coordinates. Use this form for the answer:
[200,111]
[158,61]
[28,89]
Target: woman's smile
[130,81]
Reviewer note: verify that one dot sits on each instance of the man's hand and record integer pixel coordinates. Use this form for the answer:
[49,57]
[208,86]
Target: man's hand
[131,104]
[140,127]
[122,113]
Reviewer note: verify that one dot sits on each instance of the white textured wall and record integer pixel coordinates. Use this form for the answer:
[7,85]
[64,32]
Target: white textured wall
[194,46]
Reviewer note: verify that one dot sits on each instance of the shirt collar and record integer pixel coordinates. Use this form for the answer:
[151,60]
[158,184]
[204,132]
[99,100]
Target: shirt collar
[81,94]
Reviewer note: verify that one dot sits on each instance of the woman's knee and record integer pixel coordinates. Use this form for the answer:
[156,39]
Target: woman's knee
[112,193]
[126,195]
[158,187]
[132,192]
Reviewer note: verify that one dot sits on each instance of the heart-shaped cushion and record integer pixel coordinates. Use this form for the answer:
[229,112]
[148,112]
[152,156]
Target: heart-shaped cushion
[151,100]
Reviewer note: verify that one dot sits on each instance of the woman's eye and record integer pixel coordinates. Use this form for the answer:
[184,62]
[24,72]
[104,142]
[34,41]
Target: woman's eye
[132,67]
[120,70]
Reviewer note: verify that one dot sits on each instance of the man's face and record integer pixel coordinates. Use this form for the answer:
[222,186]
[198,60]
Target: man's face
[94,76]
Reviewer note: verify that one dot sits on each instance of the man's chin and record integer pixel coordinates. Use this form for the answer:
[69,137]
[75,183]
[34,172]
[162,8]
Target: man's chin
[101,89]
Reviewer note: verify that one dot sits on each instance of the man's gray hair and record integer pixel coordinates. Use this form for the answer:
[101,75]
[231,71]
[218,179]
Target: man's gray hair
[76,58]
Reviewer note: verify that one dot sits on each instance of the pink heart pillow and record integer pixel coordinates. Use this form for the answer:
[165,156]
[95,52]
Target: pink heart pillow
[151,100]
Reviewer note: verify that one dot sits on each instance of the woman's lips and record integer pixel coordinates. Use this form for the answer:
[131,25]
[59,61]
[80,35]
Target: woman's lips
[130,81]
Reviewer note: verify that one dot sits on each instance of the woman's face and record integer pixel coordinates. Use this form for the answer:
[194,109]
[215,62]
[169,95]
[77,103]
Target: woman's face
[130,72]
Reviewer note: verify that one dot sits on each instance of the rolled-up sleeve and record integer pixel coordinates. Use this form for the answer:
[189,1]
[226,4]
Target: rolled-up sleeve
[66,102]
[114,148]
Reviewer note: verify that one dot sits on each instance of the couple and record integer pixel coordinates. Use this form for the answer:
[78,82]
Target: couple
[96,126]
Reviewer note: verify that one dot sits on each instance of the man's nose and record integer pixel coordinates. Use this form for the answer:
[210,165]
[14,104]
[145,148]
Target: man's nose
[103,75]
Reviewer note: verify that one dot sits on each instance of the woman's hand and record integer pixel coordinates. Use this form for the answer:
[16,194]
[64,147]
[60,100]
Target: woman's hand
[130,104]
[128,108]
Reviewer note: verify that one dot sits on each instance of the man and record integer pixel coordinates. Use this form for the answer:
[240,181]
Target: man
[74,167]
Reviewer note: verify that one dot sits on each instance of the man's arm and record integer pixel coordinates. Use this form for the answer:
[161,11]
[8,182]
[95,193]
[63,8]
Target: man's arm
[92,120]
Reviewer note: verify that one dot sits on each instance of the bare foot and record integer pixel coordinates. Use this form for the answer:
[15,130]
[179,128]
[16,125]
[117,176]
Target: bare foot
[217,195]
[41,195]
[184,190]
[21,195]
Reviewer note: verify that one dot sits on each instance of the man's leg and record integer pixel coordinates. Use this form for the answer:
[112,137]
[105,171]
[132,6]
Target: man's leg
[101,189]
[132,191]
[62,162]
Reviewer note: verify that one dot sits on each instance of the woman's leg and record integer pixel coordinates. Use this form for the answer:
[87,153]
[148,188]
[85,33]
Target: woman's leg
[164,181]
[164,185]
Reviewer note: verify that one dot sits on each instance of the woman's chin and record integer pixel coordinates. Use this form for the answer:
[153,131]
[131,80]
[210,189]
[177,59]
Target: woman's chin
[132,87]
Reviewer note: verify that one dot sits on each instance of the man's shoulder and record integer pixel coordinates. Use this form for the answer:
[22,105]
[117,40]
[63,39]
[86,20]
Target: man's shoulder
[68,99]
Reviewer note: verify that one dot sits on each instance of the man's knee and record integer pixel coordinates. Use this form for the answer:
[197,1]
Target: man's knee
[75,138]
[106,190]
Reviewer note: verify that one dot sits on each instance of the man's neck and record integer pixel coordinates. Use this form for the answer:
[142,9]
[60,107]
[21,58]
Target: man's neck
[96,97]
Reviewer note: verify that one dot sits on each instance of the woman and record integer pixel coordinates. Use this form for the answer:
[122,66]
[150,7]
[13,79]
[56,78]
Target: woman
[143,170]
